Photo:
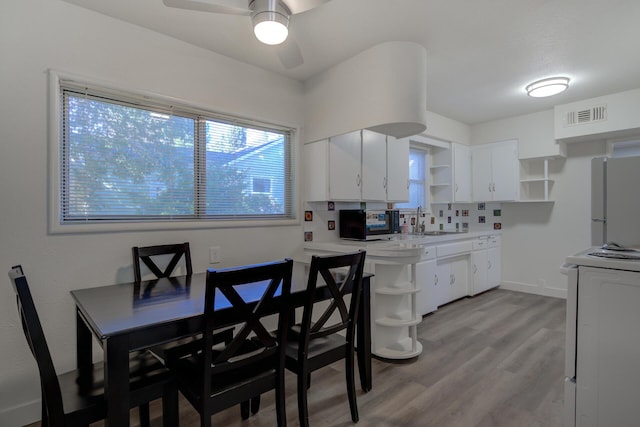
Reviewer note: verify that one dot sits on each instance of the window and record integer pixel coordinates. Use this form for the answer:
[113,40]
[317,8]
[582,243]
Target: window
[128,158]
[418,195]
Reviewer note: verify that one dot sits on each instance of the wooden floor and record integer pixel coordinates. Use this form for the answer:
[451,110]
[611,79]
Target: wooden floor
[493,360]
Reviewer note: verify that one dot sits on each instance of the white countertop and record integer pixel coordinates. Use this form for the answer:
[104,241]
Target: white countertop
[583,258]
[405,248]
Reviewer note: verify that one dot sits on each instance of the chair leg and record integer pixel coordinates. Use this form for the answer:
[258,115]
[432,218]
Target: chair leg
[205,420]
[45,417]
[303,386]
[244,409]
[255,404]
[351,386]
[281,411]
[143,409]
[170,411]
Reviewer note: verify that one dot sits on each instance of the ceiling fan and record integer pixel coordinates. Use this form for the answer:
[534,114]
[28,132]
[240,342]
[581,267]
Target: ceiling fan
[270,20]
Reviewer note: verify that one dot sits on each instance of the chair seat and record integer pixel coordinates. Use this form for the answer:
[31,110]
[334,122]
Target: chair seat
[190,367]
[318,346]
[79,400]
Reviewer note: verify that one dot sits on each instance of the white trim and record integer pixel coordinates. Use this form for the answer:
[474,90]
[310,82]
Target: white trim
[20,415]
[534,289]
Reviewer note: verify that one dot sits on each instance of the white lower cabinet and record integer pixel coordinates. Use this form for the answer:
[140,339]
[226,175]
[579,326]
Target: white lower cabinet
[429,296]
[485,264]
[453,277]
[395,314]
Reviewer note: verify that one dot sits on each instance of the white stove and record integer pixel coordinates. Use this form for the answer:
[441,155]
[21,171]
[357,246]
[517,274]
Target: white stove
[628,259]
[602,369]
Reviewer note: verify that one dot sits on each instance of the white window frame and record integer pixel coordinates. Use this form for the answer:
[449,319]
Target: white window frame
[55,224]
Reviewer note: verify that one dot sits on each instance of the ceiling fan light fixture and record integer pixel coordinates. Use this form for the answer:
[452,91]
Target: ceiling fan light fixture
[270,21]
[547,87]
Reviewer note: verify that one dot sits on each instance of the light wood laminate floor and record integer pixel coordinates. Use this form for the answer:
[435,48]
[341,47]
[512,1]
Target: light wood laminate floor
[496,359]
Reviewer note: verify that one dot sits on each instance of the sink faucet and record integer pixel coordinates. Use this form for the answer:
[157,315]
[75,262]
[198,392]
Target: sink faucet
[416,227]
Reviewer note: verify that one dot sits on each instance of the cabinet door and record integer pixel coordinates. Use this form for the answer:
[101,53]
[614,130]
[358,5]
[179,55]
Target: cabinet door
[316,170]
[506,179]
[461,173]
[345,178]
[397,169]
[479,264]
[494,267]
[442,282]
[374,166]
[427,299]
[481,173]
[460,277]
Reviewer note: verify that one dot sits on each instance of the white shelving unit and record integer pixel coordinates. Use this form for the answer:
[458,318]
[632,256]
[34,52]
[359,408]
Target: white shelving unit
[395,315]
[441,174]
[535,184]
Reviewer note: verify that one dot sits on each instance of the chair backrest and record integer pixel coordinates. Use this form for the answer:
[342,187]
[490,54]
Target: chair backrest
[258,284]
[34,334]
[342,275]
[147,254]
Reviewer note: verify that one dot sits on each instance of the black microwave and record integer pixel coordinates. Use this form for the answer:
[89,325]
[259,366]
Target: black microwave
[361,224]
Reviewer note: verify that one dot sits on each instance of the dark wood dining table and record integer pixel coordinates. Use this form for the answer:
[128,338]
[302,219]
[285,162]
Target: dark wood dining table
[134,316]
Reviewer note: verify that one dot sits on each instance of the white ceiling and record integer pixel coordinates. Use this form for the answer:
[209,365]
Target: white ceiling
[480,53]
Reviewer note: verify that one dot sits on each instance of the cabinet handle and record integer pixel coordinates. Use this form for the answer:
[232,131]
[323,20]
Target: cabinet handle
[456,188]
[489,264]
[489,187]
[494,187]
[475,269]
[451,279]
[454,279]
[436,284]
[384,182]
[358,180]
[408,182]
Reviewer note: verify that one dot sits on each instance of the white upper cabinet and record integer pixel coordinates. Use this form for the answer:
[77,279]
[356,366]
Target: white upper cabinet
[461,173]
[397,169]
[374,166]
[357,166]
[495,171]
[345,174]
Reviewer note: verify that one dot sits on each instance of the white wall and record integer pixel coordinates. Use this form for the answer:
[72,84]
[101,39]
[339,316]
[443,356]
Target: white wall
[538,236]
[39,34]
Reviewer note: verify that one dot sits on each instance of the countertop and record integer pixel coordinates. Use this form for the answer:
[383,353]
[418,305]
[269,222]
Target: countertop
[405,248]
[583,258]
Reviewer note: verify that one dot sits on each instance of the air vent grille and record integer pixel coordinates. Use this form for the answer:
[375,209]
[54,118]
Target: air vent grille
[588,115]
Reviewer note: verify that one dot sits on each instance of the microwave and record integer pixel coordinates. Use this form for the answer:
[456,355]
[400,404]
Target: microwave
[361,224]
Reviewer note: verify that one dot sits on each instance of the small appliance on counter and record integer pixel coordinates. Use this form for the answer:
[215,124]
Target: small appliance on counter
[361,224]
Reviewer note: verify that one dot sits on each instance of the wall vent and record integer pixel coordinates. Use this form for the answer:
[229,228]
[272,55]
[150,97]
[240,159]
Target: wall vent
[588,115]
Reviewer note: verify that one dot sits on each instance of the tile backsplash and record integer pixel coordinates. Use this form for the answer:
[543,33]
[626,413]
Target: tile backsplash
[321,218]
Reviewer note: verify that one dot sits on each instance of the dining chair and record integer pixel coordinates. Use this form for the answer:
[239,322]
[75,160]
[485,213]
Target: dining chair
[327,336]
[150,256]
[213,376]
[67,400]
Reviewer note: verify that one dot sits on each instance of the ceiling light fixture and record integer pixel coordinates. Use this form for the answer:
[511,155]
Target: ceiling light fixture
[270,21]
[547,87]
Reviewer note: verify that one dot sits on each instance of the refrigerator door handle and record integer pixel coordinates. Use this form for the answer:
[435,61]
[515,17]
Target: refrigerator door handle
[599,220]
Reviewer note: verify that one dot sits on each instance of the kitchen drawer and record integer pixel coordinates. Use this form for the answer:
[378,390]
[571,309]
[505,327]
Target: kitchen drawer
[429,253]
[493,241]
[454,248]
[480,243]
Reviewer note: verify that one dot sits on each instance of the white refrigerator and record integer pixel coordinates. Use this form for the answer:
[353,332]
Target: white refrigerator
[615,201]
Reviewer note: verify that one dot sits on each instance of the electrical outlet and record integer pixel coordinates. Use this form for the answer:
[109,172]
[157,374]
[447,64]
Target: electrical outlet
[215,254]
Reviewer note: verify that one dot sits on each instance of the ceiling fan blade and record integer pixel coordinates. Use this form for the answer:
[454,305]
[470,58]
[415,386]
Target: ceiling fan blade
[231,8]
[299,6]
[289,54]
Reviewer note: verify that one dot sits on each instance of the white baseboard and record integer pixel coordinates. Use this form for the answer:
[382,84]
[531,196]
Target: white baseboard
[534,289]
[21,415]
